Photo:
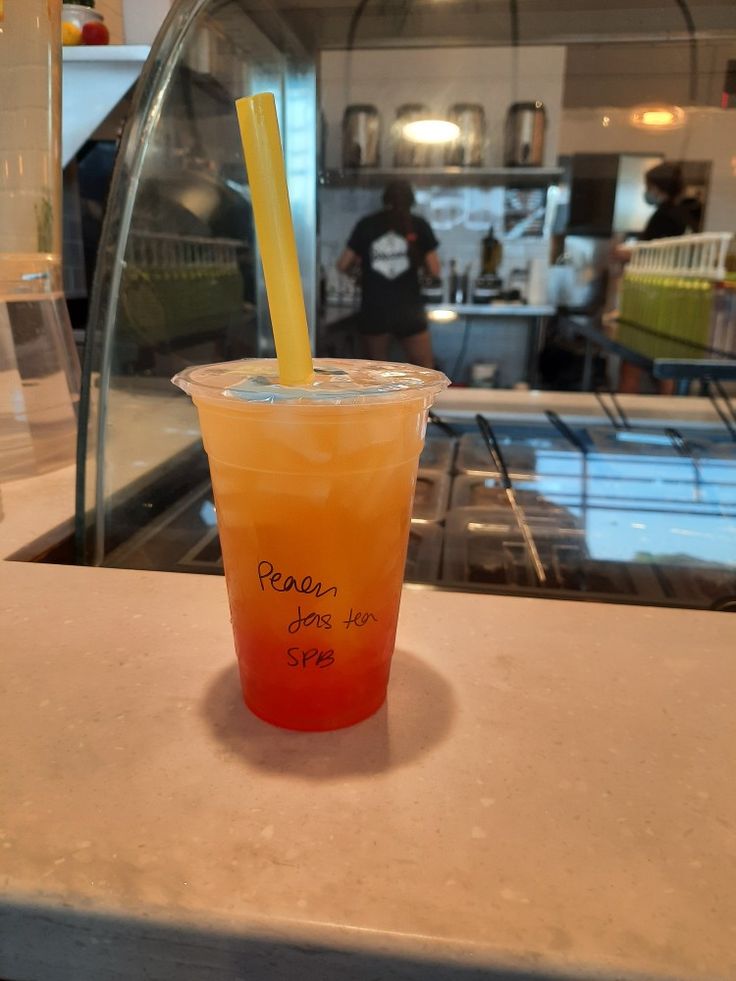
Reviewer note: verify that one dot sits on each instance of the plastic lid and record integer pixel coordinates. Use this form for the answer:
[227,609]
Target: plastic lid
[335,381]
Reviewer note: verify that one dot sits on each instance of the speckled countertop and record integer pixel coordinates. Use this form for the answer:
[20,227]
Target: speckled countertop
[549,791]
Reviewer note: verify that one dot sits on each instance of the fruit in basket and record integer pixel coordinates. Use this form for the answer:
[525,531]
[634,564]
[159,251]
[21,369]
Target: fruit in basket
[95,32]
[71,34]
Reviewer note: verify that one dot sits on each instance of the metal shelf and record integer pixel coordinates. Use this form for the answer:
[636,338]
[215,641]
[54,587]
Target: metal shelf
[450,176]
[689,369]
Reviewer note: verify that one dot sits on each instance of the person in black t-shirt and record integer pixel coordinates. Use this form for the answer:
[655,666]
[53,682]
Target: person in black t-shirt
[389,248]
[663,189]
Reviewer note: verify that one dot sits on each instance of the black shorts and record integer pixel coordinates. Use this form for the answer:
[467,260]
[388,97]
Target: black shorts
[398,323]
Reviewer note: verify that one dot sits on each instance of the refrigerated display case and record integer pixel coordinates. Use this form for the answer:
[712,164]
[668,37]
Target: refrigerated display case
[645,513]
[636,512]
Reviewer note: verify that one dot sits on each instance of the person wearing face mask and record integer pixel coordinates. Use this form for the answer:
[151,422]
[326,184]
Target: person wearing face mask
[663,189]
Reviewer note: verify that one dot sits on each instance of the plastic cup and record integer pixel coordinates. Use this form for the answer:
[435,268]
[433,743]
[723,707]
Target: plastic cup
[313,490]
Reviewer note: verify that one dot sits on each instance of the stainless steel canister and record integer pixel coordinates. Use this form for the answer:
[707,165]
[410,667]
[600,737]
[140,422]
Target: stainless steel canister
[467,149]
[361,136]
[526,123]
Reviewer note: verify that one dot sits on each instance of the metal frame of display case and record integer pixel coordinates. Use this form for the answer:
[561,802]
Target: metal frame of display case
[260,53]
[681,370]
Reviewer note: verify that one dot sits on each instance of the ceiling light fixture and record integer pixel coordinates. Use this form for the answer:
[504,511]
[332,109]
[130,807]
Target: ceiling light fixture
[658,117]
[434,131]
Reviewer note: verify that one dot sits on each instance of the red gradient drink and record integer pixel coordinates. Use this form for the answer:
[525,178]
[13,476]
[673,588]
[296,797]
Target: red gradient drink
[313,489]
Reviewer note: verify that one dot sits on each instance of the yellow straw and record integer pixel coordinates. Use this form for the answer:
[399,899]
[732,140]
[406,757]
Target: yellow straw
[264,160]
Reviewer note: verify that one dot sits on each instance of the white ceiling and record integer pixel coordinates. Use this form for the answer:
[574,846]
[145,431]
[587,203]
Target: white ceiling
[487,21]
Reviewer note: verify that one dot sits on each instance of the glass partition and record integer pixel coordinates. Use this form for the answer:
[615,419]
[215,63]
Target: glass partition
[178,278]
[539,127]
[540,198]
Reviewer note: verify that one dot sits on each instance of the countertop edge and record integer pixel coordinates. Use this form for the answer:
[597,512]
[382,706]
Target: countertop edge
[79,942]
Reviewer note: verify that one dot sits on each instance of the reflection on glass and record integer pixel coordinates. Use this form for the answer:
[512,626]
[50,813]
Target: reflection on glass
[178,281]
[640,521]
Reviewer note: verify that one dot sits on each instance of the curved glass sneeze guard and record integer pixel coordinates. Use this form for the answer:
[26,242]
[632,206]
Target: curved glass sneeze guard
[640,506]
[178,279]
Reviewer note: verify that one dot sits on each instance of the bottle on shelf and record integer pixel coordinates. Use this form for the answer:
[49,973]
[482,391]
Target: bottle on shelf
[457,284]
[488,284]
[465,281]
[491,254]
[680,292]
[518,283]
[452,281]
[431,287]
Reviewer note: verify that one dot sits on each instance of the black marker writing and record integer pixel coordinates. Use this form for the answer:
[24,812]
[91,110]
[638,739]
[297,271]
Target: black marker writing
[299,658]
[358,619]
[268,576]
[323,621]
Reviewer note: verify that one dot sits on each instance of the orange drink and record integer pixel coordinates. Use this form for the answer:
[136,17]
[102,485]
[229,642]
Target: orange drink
[313,489]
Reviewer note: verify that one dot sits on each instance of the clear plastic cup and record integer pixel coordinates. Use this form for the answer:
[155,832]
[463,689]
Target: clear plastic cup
[313,489]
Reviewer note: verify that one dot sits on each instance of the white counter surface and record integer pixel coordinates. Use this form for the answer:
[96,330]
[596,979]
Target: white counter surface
[550,789]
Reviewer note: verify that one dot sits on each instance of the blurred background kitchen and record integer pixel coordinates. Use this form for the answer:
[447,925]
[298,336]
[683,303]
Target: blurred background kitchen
[526,130]
[540,121]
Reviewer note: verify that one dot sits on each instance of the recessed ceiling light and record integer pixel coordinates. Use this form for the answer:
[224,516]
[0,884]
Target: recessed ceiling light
[430,131]
[658,117]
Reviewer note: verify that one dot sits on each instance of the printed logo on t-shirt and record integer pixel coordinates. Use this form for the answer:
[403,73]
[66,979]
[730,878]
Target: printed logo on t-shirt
[390,255]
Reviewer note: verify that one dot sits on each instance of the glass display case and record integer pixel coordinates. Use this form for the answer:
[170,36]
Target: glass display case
[178,279]
[624,511]
[632,507]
